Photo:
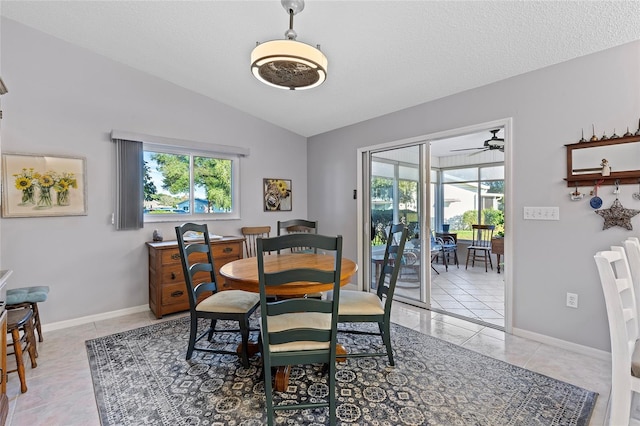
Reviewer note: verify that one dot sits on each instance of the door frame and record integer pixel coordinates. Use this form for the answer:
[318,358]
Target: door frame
[363,195]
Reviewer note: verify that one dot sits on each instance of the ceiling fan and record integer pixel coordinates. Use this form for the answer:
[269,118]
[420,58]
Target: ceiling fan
[489,145]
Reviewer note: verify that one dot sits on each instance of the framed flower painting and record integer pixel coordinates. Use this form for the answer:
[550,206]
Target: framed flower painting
[277,195]
[43,185]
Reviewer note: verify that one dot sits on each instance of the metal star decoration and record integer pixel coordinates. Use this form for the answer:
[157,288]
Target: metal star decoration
[616,215]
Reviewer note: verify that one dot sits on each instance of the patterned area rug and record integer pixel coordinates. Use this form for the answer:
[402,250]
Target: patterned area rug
[140,377]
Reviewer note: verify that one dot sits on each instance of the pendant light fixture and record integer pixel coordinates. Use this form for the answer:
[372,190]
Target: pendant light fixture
[289,64]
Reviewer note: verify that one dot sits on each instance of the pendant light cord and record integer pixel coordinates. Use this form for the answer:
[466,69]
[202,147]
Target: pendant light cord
[291,19]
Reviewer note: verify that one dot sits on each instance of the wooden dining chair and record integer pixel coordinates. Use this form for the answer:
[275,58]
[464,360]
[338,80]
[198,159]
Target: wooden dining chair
[251,234]
[297,226]
[299,330]
[622,314]
[632,249]
[480,248]
[23,341]
[205,299]
[29,297]
[362,306]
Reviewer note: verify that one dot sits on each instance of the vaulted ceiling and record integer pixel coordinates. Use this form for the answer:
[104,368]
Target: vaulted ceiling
[383,55]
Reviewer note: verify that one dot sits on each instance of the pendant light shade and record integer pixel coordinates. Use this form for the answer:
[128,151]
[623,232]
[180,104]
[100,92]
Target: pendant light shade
[289,64]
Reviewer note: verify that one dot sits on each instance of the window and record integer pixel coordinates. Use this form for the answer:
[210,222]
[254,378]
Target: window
[159,178]
[473,195]
[178,182]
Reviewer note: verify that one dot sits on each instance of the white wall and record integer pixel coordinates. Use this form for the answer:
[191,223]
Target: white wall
[549,108]
[65,100]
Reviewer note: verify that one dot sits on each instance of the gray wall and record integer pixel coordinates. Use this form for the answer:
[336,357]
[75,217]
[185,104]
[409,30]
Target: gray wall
[549,107]
[65,100]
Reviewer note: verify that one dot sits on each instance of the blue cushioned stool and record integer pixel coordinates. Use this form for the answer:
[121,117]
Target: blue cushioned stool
[28,297]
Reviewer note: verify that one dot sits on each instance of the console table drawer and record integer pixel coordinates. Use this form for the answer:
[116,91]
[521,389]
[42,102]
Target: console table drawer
[233,251]
[173,294]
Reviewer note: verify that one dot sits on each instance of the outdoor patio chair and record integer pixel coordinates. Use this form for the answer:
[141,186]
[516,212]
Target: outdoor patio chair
[480,248]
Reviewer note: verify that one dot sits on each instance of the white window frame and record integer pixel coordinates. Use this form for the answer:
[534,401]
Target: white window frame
[191,148]
[235,185]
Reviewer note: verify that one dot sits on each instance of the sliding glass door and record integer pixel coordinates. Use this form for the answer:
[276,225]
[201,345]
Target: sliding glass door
[439,189]
[396,178]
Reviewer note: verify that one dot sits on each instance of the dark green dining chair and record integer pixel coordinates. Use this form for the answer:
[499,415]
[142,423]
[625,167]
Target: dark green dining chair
[298,226]
[299,330]
[361,306]
[205,299]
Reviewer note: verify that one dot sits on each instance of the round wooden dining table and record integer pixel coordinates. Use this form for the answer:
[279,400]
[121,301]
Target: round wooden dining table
[242,274]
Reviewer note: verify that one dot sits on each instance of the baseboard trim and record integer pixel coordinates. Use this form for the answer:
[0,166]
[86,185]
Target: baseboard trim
[552,341]
[92,318]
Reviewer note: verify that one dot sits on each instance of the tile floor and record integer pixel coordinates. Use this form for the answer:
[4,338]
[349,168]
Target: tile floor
[61,392]
[471,293]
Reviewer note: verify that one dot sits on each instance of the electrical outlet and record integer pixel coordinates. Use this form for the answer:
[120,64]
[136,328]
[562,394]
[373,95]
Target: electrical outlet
[572,300]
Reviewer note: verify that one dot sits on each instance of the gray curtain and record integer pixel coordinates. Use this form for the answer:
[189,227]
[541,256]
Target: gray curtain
[129,185]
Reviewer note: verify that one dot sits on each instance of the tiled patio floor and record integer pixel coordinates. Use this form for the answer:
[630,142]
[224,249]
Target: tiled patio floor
[470,293]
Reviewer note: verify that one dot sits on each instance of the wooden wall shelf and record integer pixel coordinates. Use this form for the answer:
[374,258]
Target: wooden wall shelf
[590,179]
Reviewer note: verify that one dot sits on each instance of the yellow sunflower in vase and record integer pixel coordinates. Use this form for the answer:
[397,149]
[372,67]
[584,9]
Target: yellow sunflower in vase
[63,183]
[24,183]
[44,182]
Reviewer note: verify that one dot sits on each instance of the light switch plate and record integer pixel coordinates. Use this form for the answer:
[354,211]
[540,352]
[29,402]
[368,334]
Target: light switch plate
[542,213]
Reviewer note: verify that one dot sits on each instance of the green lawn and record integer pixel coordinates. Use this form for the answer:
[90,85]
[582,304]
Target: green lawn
[463,235]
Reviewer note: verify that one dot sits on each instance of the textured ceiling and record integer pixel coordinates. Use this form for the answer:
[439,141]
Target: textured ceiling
[383,55]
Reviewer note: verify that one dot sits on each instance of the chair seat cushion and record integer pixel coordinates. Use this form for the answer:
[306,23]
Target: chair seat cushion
[27,295]
[229,301]
[284,322]
[359,303]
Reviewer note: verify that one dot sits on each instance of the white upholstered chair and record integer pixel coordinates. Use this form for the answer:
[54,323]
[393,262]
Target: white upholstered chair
[622,313]
[632,249]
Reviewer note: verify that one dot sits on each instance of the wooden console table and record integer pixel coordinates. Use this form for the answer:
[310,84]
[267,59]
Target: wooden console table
[166,280]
